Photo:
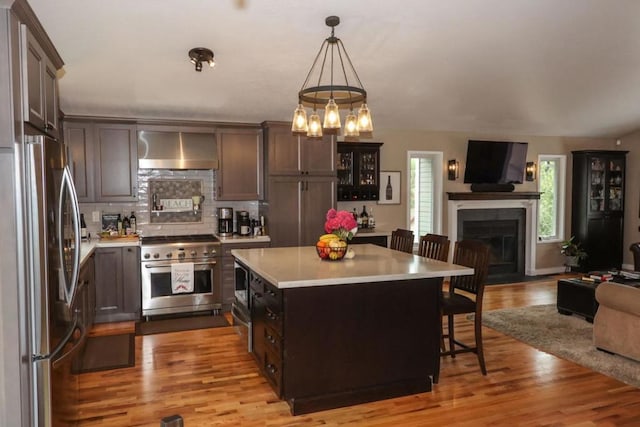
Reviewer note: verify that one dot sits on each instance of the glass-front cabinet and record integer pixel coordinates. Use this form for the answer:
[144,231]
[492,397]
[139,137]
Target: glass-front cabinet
[597,217]
[606,184]
[358,169]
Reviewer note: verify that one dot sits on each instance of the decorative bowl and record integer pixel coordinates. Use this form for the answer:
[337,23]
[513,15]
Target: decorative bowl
[329,253]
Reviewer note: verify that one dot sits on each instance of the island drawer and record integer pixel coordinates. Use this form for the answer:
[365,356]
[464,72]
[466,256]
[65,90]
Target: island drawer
[273,340]
[273,371]
[273,297]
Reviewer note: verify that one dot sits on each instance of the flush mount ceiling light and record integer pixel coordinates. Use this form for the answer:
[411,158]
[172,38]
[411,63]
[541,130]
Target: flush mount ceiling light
[198,55]
[346,91]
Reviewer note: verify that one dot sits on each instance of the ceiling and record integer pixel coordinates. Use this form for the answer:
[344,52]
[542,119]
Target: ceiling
[519,67]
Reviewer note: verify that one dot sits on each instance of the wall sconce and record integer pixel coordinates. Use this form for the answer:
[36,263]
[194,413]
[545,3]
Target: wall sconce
[530,171]
[453,169]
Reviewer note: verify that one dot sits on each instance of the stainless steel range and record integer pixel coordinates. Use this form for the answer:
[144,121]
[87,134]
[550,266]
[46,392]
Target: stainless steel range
[164,258]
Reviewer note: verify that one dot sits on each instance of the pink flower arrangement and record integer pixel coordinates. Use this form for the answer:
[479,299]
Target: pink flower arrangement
[341,223]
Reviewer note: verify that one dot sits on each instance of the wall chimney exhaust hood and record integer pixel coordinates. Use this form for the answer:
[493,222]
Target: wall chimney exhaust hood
[177,149]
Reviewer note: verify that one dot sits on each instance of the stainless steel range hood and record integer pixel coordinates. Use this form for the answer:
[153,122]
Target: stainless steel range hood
[177,149]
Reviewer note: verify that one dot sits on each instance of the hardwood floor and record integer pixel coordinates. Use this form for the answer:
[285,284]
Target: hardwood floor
[207,377]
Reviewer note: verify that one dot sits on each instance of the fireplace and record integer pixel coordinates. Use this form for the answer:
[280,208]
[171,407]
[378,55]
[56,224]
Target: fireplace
[505,221]
[503,230]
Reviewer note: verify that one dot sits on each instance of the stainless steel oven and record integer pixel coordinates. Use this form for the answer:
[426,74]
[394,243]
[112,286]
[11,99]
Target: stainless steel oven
[241,308]
[161,256]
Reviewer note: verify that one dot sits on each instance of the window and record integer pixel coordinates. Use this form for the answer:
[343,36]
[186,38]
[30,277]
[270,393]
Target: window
[551,185]
[424,208]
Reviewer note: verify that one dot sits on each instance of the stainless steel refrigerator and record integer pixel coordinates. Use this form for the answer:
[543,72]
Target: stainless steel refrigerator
[52,231]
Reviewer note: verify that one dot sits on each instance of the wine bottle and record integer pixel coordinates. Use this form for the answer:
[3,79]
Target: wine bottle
[133,222]
[388,195]
[83,227]
[126,225]
[372,220]
[119,222]
[364,217]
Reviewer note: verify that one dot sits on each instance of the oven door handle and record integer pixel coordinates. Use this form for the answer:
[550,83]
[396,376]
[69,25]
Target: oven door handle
[169,265]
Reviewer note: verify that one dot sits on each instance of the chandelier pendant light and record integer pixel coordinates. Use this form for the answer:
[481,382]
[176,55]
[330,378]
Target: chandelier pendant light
[320,89]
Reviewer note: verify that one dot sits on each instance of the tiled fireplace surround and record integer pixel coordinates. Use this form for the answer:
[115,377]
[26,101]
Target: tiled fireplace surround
[526,201]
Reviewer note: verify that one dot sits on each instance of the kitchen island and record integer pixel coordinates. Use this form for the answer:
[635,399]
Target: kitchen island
[328,334]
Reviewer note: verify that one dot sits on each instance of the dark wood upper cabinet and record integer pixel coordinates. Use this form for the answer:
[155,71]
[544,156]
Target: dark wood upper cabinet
[78,137]
[240,171]
[40,100]
[116,162]
[298,155]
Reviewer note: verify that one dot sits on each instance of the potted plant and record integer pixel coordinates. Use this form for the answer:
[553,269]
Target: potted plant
[573,252]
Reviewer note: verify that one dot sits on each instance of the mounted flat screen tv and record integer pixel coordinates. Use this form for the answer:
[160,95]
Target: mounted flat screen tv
[495,162]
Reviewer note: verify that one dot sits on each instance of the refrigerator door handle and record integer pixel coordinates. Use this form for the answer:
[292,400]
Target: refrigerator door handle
[76,346]
[67,185]
[63,342]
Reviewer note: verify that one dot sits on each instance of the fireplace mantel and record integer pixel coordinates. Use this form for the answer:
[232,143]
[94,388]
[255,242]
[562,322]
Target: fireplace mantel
[505,195]
[499,200]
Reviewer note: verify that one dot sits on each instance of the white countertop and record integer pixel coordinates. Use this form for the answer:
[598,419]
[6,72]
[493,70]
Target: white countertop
[372,232]
[87,247]
[300,266]
[243,239]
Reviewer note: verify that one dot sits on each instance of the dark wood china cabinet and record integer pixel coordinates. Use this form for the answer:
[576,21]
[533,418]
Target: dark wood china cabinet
[358,169]
[598,207]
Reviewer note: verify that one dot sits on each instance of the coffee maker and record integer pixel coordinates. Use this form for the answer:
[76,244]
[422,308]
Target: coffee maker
[225,222]
[243,223]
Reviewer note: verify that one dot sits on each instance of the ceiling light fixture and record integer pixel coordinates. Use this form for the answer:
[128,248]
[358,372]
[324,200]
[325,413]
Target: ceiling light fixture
[318,93]
[198,55]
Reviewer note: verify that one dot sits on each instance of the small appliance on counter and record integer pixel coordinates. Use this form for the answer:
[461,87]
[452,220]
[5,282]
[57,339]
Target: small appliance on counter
[225,222]
[243,223]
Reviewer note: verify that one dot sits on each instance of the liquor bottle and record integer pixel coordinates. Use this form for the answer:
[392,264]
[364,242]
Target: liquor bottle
[388,194]
[133,221]
[372,220]
[364,217]
[119,222]
[83,227]
[155,201]
[355,216]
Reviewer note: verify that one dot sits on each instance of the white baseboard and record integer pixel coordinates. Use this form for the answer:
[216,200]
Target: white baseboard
[550,270]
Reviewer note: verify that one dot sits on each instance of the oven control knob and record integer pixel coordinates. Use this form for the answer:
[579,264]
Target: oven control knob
[205,253]
[193,253]
[181,255]
[169,255]
[156,255]
[147,256]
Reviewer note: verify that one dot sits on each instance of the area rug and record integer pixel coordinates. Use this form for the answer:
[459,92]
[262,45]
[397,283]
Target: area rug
[180,324]
[106,352]
[569,337]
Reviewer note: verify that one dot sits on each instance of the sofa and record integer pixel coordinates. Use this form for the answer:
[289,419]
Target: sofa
[616,325]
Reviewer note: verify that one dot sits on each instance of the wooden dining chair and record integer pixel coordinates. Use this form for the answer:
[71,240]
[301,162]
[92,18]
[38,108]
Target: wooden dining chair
[465,296]
[402,240]
[434,246]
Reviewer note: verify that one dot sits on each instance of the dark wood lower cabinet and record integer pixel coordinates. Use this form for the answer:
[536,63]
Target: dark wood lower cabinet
[330,346]
[118,284]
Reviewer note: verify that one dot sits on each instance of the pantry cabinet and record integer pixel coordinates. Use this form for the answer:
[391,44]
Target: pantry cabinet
[240,173]
[298,208]
[118,284]
[598,196]
[301,185]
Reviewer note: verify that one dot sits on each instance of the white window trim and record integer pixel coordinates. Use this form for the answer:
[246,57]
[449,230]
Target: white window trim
[438,159]
[561,190]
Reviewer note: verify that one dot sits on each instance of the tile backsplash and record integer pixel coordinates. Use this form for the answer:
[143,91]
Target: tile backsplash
[176,184]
